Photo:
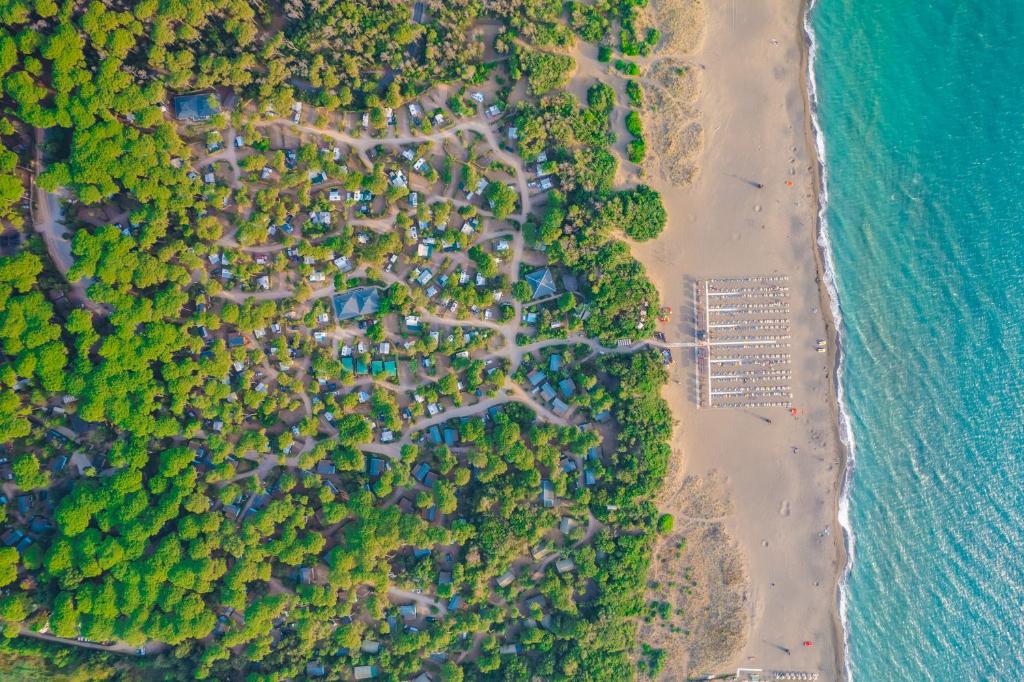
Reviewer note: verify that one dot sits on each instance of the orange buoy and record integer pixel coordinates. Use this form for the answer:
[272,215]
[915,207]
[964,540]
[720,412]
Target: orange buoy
[789,183]
[792,411]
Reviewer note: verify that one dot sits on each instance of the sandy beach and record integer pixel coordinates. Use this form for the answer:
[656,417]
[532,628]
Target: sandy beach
[759,498]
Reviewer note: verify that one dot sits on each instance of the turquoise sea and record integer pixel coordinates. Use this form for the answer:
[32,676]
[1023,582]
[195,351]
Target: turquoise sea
[921,108]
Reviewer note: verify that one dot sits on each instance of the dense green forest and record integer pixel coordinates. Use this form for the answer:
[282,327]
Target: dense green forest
[276,401]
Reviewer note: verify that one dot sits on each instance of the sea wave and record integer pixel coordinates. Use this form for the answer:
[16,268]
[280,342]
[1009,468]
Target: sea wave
[829,277]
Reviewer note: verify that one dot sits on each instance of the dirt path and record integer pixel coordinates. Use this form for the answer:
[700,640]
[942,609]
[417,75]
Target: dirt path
[362,144]
[117,647]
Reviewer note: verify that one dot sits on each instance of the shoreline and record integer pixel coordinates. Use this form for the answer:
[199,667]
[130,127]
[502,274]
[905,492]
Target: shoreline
[832,313]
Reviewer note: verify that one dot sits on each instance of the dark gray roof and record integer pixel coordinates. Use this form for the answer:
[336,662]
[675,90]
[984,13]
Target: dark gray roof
[198,107]
[356,303]
[541,282]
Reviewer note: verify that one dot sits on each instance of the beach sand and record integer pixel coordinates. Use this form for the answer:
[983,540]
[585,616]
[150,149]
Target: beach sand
[761,509]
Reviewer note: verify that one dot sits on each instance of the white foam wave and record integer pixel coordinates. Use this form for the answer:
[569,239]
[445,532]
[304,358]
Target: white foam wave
[829,276]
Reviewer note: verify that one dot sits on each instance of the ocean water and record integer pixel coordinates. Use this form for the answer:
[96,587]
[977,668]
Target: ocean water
[921,109]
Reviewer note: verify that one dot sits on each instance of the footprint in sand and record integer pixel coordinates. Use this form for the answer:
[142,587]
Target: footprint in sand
[784,508]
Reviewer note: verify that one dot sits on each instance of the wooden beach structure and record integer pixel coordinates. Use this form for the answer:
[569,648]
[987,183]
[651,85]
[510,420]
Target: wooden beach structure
[742,341]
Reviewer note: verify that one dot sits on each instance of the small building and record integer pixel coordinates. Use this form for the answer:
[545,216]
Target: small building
[374,466]
[547,494]
[547,392]
[536,377]
[315,669]
[564,565]
[435,434]
[11,537]
[505,579]
[407,611]
[559,407]
[370,646]
[365,672]
[420,471]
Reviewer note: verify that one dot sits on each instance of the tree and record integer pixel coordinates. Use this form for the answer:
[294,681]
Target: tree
[451,672]
[484,261]
[521,291]
[27,473]
[502,199]
[8,565]
[545,71]
[643,214]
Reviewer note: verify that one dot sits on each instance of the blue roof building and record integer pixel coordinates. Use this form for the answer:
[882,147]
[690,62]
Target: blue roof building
[420,471]
[541,282]
[567,387]
[197,107]
[374,466]
[435,433]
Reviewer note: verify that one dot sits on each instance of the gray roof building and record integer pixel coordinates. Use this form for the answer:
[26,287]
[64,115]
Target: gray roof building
[505,579]
[547,494]
[356,303]
[197,107]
